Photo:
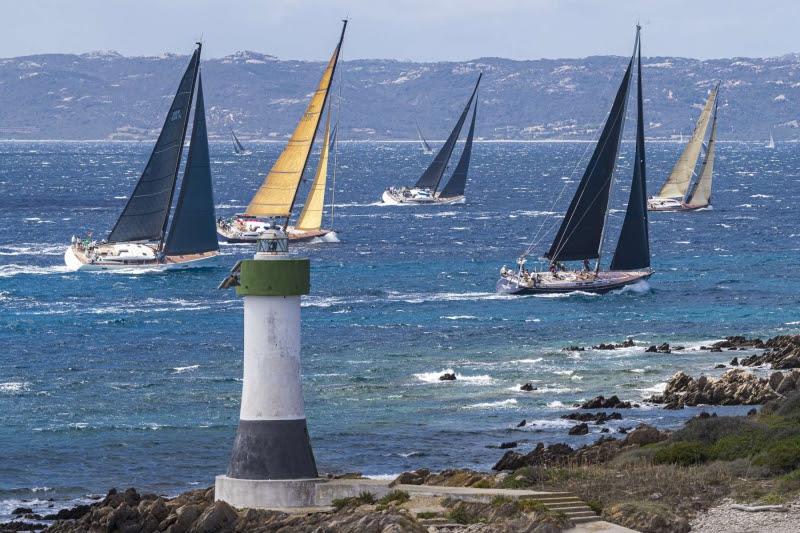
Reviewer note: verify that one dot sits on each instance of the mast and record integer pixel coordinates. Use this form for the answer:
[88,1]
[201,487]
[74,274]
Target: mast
[636,46]
[146,212]
[193,228]
[433,174]
[581,232]
[322,109]
[633,245]
[458,181]
[681,176]
[701,192]
[180,146]
[278,192]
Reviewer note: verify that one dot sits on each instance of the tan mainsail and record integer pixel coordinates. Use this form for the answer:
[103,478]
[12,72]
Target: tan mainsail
[678,182]
[311,216]
[701,195]
[277,193]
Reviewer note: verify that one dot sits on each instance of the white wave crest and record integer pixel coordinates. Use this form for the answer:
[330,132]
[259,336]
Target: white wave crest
[501,404]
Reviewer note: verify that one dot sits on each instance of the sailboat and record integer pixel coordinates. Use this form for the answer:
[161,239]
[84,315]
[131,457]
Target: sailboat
[673,194]
[771,143]
[238,149]
[273,203]
[426,148]
[425,190]
[582,231]
[140,238]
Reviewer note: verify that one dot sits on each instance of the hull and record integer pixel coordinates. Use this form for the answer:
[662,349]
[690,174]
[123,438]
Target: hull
[251,237]
[566,282]
[398,197]
[78,260]
[664,204]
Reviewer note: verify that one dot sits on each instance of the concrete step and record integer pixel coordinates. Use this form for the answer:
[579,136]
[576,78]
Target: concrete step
[585,519]
[572,509]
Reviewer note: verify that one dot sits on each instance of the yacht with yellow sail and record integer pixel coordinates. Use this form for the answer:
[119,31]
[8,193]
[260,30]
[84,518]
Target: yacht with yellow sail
[675,194]
[274,202]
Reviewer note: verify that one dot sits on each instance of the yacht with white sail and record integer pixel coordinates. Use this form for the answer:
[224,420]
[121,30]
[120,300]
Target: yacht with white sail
[425,190]
[140,238]
[675,194]
[771,143]
[426,148]
[581,234]
[273,203]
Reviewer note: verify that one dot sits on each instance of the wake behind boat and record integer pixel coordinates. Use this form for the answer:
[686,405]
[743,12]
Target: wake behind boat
[425,191]
[139,238]
[276,197]
[581,234]
[675,194]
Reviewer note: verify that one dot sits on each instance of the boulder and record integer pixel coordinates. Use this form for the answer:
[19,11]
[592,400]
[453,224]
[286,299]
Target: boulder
[447,377]
[644,435]
[782,353]
[580,429]
[734,387]
[218,517]
[528,387]
[416,477]
[522,424]
[22,510]
[553,455]
[600,402]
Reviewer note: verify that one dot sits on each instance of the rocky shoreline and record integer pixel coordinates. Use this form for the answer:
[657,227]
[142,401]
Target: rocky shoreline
[592,471]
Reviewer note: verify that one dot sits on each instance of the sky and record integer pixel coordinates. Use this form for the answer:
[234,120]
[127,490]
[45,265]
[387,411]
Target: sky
[418,30]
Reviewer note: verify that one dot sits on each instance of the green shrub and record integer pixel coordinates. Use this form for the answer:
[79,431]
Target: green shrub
[741,446]
[427,514]
[682,453]
[790,408]
[461,515]
[364,498]
[399,496]
[485,483]
[595,506]
[710,430]
[781,456]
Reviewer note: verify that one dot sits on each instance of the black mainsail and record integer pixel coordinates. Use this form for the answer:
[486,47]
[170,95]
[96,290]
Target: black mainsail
[581,233]
[146,214]
[633,246]
[237,146]
[433,174]
[458,181]
[193,229]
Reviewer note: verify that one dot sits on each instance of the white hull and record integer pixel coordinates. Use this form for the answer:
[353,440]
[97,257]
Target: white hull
[76,261]
[417,197]
[570,281]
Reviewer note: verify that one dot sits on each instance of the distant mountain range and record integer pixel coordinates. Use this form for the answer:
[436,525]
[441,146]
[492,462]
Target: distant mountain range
[103,95]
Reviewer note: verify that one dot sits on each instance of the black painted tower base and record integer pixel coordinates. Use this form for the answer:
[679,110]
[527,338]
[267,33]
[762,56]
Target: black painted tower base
[272,449]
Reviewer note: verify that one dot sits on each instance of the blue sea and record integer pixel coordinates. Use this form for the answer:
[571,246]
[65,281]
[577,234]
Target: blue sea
[123,379]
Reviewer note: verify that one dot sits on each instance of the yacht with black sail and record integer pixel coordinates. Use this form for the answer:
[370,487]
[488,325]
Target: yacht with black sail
[581,234]
[425,190]
[140,238]
[273,203]
[238,148]
[675,194]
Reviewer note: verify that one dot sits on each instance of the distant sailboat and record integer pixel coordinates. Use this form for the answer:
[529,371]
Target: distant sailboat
[140,238]
[425,190]
[426,148]
[238,149]
[771,143]
[274,202]
[582,231]
[673,194]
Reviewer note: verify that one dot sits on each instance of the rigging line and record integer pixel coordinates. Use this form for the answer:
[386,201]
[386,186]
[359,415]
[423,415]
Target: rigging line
[538,238]
[565,238]
[591,203]
[336,133]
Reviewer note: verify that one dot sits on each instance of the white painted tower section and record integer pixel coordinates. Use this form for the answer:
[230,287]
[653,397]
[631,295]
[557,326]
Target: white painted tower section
[272,388]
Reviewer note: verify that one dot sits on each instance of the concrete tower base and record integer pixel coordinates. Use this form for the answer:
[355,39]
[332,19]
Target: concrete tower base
[267,493]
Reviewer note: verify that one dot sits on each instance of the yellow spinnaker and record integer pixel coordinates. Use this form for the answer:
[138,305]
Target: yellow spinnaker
[678,182]
[311,216]
[276,195]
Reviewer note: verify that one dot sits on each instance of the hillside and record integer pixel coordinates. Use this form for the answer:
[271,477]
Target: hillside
[103,95]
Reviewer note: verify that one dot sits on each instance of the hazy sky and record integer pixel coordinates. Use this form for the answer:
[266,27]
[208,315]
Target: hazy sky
[421,30]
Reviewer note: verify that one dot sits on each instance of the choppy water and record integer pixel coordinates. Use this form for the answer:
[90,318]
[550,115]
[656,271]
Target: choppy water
[121,379]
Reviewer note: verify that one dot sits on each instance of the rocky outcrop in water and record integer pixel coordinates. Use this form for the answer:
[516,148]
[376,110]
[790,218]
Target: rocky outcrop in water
[562,455]
[783,352]
[734,387]
[601,402]
[597,418]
